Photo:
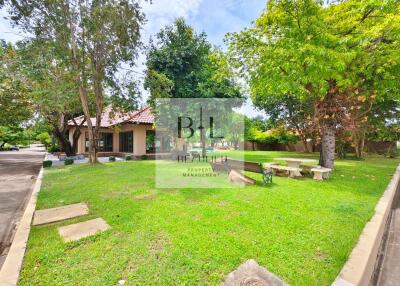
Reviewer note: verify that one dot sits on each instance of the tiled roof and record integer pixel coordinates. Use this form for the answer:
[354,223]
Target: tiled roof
[112,117]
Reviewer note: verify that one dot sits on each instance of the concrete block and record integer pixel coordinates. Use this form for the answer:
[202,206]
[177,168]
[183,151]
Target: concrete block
[252,274]
[60,213]
[83,229]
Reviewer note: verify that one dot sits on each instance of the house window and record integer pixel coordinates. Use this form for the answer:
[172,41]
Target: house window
[126,142]
[105,142]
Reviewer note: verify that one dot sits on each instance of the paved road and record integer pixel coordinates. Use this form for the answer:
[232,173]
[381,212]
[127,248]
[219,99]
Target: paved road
[18,171]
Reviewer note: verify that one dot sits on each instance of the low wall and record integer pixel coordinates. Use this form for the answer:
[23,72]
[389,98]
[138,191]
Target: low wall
[359,268]
[379,147]
[374,147]
[294,147]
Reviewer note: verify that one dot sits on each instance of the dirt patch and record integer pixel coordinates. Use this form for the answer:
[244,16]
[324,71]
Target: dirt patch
[321,255]
[158,244]
[152,194]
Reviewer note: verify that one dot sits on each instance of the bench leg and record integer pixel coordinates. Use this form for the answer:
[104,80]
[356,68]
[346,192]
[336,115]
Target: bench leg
[318,176]
[267,178]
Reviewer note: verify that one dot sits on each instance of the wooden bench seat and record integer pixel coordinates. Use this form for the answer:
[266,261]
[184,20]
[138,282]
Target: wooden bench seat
[321,173]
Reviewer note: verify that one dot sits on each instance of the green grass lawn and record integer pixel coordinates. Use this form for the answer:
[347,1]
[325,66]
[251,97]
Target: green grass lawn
[300,229]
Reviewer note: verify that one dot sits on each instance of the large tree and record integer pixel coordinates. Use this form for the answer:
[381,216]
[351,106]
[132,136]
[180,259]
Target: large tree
[325,55]
[182,64]
[93,38]
[53,91]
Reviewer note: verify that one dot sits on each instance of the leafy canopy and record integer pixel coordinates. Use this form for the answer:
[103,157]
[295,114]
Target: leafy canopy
[183,64]
[304,49]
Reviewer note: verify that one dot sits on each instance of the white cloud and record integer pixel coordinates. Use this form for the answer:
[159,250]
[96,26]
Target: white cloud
[162,12]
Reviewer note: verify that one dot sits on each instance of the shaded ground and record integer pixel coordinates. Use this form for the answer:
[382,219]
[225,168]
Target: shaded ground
[18,171]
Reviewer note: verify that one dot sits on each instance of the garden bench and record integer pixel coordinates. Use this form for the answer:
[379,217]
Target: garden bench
[293,172]
[253,167]
[321,173]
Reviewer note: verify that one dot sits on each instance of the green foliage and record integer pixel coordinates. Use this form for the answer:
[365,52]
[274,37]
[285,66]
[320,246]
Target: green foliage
[182,64]
[274,135]
[111,158]
[47,163]
[68,161]
[16,104]
[143,157]
[88,42]
[5,146]
[53,148]
[44,138]
[325,66]
[392,152]
[15,135]
[128,158]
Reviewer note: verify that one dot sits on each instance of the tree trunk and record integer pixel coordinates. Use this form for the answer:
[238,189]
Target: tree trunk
[306,149]
[359,145]
[362,143]
[75,139]
[85,106]
[98,92]
[327,154]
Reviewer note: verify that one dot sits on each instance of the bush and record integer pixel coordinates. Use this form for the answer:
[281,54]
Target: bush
[6,146]
[44,138]
[392,152]
[68,161]
[53,148]
[47,163]
[111,159]
[143,157]
[128,158]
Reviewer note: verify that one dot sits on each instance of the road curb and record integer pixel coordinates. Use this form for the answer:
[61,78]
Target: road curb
[10,270]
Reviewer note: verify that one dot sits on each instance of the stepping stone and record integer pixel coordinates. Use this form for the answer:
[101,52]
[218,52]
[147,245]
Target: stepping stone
[83,229]
[252,274]
[61,213]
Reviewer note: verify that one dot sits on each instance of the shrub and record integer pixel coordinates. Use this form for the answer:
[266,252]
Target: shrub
[44,138]
[143,157]
[392,152]
[53,148]
[128,157]
[47,163]
[6,146]
[68,161]
[111,159]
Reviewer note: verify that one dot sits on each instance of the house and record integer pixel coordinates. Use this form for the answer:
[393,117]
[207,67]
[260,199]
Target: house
[130,133]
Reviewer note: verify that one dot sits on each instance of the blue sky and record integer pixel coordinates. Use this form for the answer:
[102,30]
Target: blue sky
[214,17]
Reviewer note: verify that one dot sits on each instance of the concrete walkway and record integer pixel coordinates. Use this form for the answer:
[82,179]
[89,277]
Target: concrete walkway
[18,171]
